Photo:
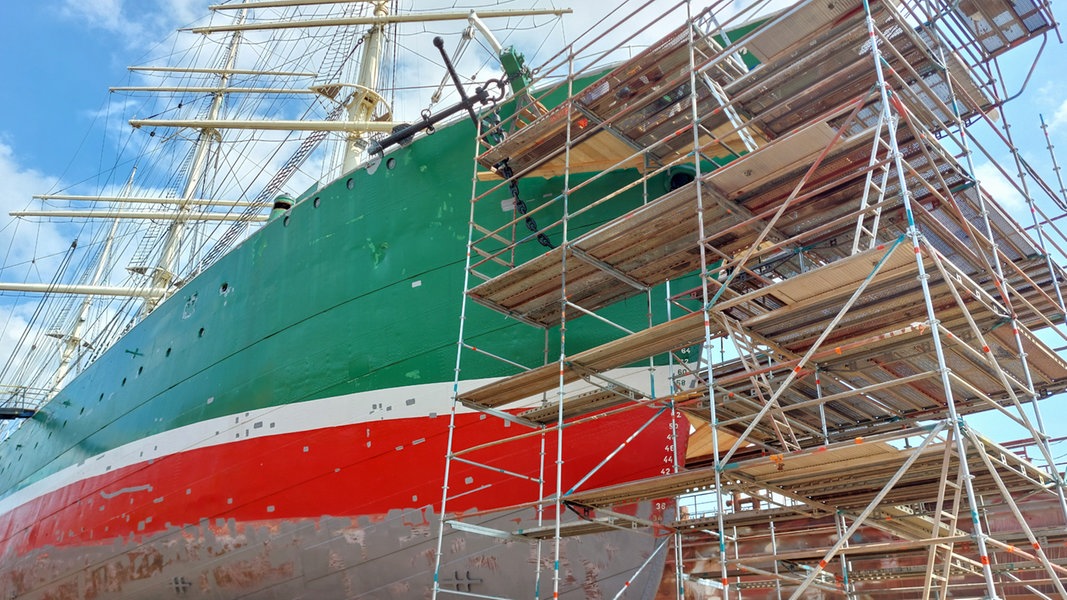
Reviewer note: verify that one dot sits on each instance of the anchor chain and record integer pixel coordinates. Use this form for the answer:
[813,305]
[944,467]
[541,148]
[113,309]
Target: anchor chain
[520,206]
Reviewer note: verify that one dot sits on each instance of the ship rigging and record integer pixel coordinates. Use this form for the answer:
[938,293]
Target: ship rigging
[183,236]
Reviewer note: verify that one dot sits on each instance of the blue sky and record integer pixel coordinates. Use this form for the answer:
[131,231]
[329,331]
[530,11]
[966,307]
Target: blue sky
[60,56]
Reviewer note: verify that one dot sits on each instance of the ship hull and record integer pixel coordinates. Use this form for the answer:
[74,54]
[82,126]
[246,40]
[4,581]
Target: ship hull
[385,556]
[302,383]
[271,503]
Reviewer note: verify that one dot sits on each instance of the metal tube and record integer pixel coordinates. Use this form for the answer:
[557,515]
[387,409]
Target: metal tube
[913,233]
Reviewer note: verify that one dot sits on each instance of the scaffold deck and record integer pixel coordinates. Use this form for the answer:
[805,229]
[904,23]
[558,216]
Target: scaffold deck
[853,291]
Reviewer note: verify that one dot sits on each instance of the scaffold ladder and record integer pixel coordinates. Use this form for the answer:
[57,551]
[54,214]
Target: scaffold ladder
[750,352]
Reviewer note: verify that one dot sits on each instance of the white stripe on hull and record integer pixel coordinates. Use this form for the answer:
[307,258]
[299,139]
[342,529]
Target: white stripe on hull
[364,407]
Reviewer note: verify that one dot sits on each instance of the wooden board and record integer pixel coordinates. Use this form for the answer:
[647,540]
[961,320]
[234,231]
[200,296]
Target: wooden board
[678,333]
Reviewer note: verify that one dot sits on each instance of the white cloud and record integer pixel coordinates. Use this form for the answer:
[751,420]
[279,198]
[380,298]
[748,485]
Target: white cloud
[136,24]
[1058,120]
[20,183]
[1002,190]
[29,249]
[103,14]
[18,179]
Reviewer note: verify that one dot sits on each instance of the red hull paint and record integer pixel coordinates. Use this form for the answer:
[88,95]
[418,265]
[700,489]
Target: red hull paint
[354,470]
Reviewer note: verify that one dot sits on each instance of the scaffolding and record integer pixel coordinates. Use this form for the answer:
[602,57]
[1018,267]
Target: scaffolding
[809,209]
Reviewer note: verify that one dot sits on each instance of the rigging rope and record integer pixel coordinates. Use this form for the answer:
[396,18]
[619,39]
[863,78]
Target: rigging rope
[19,354]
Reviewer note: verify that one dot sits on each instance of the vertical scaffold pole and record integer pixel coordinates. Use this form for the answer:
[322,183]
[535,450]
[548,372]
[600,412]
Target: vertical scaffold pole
[706,301]
[558,539]
[774,551]
[456,373]
[540,513]
[913,234]
[1042,440]
[814,572]
[1052,155]
[839,523]
[822,408]
[672,389]
[1030,201]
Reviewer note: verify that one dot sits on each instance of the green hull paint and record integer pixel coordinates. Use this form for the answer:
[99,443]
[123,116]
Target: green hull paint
[357,289]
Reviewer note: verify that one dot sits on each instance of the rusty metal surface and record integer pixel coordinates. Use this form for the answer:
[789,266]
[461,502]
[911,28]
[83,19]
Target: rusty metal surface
[387,557]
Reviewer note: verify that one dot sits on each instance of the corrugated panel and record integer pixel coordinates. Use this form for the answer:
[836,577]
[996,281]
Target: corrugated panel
[999,25]
[796,26]
[785,154]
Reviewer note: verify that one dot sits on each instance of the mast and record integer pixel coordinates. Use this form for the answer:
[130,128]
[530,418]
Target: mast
[367,112]
[366,99]
[163,274]
[70,343]
[360,110]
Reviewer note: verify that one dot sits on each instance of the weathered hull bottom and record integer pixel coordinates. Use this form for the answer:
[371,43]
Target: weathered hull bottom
[331,557]
[185,514]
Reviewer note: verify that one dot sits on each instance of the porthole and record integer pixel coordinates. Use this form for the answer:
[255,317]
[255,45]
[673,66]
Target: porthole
[680,179]
[316,202]
[285,221]
[201,334]
[123,381]
[224,288]
[140,370]
[679,176]
[167,353]
[390,163]
[351,183]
